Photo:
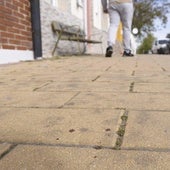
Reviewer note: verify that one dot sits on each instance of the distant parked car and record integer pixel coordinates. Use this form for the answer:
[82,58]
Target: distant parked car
[161,47]
[169,46]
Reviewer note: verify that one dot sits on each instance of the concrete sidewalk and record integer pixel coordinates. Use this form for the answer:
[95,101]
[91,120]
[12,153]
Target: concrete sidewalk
[86,113]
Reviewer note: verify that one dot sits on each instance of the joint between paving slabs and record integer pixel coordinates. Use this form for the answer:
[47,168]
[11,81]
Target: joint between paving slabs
[136,64]
[69,100]
[13,146]
[163,69]
[37,88]
[96,78]
[131,88]
[133,73]
[121,130]
[108,68]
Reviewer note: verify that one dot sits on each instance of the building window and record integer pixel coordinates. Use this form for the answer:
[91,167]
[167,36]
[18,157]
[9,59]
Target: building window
[80,3]
[77,8]
[54,3]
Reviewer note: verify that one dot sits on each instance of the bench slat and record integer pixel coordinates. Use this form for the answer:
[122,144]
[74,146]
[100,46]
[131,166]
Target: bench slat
[84,40]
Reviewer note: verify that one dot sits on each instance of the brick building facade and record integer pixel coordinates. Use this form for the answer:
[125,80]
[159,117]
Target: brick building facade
[16,35]
[15,30]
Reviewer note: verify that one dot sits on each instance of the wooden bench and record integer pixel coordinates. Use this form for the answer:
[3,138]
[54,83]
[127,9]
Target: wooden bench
[70,33]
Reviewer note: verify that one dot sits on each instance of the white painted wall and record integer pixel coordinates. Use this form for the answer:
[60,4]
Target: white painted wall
[14,56]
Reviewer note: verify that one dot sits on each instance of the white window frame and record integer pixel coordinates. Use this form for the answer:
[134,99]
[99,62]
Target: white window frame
[97,13]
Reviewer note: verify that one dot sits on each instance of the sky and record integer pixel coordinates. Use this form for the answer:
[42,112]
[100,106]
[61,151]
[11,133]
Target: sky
[162,32]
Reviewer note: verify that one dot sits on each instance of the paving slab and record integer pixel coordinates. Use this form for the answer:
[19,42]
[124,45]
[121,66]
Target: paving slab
[152,87]
[153,78]
[22,85]
[116,77]
[65,76]
[89,127]
[141,101]
[64,114]
[34,99]
[66,158]
[148,130]
[85,86]
[93,100]
[52,75]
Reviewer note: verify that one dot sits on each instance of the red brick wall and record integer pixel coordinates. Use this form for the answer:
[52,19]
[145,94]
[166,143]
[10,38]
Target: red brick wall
[15,25]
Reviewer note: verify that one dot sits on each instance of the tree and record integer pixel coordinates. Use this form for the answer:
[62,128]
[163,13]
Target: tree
[146,12]
[146,45]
